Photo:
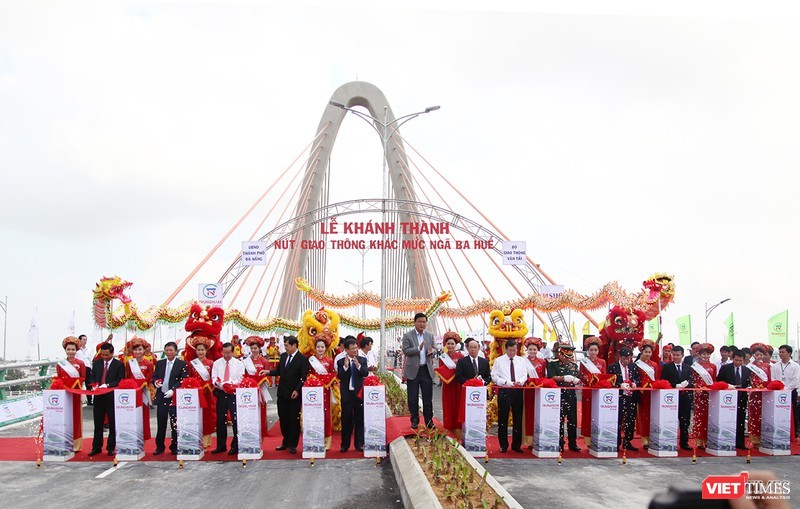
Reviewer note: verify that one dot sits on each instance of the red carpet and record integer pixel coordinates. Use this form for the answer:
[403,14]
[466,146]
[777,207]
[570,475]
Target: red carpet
[493,447]
[25,448]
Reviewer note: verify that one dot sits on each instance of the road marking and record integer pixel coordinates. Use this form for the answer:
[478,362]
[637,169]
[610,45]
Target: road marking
[111,470]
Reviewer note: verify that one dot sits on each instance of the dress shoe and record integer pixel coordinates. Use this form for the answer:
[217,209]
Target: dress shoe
[158,452]
[292,450]
[218,450]
[517,449]
[430,425]
[414,424]
[646,447]
[112,452]
[503,449]
[686,447]
[630,447]
[233,452]
[94,452]
[173,451]
[359,448]
[282,447]
[343,449]
[574,448]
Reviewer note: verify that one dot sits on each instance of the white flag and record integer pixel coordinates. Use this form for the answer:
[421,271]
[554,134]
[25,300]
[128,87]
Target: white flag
[71,327]
[33,330]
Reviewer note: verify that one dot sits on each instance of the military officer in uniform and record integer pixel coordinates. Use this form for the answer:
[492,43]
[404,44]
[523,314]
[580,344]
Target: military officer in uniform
[566,373]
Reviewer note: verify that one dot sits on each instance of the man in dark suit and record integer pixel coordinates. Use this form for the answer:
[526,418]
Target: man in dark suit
[292,369]
[352,369]
[737,376]
[627,379]
[473,365]
[679,375]
[106,372]
[167,377]
[420,352]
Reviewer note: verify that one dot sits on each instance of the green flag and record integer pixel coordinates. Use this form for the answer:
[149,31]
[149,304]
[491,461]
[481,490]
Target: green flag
[684,324]
[729,327]
[653,328]
[778,329]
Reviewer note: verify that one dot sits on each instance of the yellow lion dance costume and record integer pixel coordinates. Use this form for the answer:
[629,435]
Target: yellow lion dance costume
[504,324]
[324,325]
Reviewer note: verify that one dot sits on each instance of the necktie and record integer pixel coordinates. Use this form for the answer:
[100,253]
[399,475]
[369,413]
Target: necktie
[226,376]
[105,371]
[165,385]
[738,378]
[352,375]
[625,370]
[513,377]
[289,360]
[678,367]
[475,365]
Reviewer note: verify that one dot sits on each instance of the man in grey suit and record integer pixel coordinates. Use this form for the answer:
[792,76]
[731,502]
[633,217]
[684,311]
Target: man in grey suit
[420,353]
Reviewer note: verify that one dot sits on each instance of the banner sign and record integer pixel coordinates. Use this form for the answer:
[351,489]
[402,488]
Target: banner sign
[57,421]
[189,415]
[776,422]
[474,431]
[663,422]
[546,420]
[514,252]
[552,291]
[130,425]
[313,422]
[254,253]
[605,428]
[16,410]
[375,421]
[210,294]
[722,423]
[248,416]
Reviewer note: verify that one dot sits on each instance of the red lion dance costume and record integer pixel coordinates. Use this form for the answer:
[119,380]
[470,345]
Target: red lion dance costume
[624,327]
[205,323]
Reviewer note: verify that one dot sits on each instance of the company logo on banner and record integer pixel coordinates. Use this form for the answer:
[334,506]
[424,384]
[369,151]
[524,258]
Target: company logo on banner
[734,487]
[210,294]
[374,395]
[53,400]
[728,399]
[246,397]
[475,396]
[187,399]
[550,397]
[783,399]
[123,399]
[311,397]
[608,399]
[669,398]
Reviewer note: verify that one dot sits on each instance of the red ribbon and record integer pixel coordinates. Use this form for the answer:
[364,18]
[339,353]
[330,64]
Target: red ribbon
[661,384]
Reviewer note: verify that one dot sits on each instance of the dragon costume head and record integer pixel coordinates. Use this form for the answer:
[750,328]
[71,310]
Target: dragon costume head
[324,325]
[624,327]
[505,324]
[206,322]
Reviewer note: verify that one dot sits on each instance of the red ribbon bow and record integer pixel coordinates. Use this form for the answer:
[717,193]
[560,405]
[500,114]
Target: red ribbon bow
[718,386]
[775,385]
[661,384]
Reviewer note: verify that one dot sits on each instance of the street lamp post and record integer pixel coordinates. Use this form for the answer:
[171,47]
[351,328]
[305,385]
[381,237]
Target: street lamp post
[708,312]
[385,135]
[4,307]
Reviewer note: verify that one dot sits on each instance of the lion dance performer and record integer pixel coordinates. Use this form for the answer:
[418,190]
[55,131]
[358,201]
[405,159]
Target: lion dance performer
[592,372]
[322,325]
[72,372]
[537,372]
[200,368]
[649,372]
[759,378]
[206,322]
[140,369]
[451,389]
[624,327]
[256,367]
[504,324]
[704,374]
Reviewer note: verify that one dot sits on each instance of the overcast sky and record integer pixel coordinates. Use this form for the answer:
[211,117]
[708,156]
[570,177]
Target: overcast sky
[617,141]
